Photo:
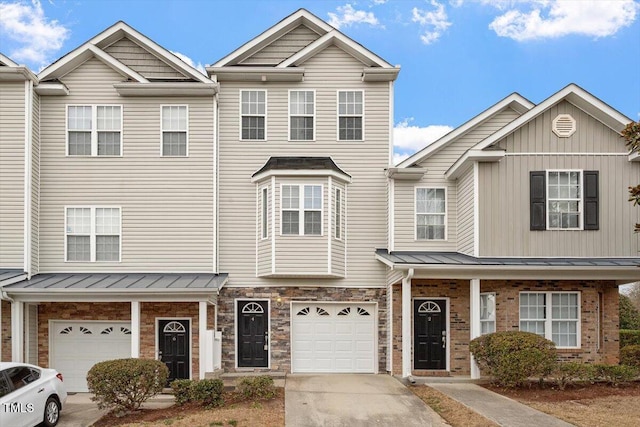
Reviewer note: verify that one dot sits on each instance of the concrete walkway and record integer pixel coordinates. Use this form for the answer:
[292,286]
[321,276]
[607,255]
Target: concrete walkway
[354,400]
[500,409]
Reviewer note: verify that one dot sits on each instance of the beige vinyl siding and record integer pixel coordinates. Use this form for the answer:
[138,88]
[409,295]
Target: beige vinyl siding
[167,202]
[338,247]
[437,164]
[283,48]
[35,182]
[465,213]
[326,72]
[264,245]
[12,128]
[504,192]
[394,276]
[142,61]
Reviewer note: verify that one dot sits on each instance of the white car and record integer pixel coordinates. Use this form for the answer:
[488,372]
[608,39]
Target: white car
[30,395]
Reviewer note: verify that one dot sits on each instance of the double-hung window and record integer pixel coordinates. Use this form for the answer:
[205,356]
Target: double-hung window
[338,214]
[350,115]
[564,192]
[94,130]
[92,234]
[174,129]
[553,315]
[253,111]
[431,214]
[487,313]
[301,202]
[264,213]
[301,115]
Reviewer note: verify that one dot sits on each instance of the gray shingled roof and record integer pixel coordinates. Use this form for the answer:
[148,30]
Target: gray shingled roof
[121,282]
[456,258]
[9,273]
[300,163]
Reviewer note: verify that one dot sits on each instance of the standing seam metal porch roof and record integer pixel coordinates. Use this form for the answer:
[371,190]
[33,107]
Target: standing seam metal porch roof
[10,273]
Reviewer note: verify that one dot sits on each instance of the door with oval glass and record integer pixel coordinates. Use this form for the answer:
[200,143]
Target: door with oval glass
[173,347]
[253,334]
[429,334]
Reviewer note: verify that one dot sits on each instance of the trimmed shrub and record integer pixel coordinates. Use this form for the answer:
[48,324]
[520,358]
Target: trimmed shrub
[629,337]
[208,392]
[260,387]
[181,391]
[630,355]
[124,384]
[514,356]
[569,372]
[616,374]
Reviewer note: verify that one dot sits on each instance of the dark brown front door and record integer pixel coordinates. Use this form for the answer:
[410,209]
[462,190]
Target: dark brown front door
[173,347]
[429,334]
[253,339]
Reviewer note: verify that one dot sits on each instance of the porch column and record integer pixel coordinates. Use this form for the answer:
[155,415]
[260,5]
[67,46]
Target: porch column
[474,317]
[17,331]
[406,323]
[202,337]
[135,329]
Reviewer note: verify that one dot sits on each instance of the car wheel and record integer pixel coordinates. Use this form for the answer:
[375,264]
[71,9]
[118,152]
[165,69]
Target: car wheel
[51,412]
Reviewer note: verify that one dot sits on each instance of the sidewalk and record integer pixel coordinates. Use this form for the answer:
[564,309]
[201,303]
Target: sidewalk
[500,409]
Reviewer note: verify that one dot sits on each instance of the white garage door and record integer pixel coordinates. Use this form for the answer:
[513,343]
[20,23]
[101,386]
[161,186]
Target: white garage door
[333,337]
[77,346]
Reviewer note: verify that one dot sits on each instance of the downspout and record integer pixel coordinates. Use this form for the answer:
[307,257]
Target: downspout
[406,324]
[28,118]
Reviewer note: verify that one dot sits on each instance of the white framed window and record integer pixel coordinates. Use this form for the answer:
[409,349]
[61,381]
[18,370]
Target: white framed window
[94,130]
[338,214]
[487,313]
[553,315]
[302,111]
[351,115]
[92,234]
[431,213]
[253,115]
[564,200]
[174,128]
[301,203]
[264,214]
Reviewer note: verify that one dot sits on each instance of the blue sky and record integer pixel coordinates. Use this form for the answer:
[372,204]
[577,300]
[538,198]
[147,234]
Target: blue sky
[458,57]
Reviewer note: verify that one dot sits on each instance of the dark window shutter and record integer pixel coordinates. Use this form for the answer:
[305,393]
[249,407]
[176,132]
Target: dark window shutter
[538,198]
[591,205]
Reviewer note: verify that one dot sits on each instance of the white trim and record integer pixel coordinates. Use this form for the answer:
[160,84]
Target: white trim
[407,327]
[392,214]
[8,61]
[390,124]
[461,165]
[566,154]
[300,173]
[448,326]
[548,320]
[266,112]
[112,62]
[186,106]
[190,346]
[580,202]
[258,229]
[216,192]
[264,212]
[474,321]
[203,350]
[345,231]
[301,209]
[329,223]
[476,209]
[416,213]
[313,116]
[92,234]
[338,216]
[338,116]
[236,302]
[135,329]
[490,319]
[94,130]
[17,331]
[28,128]
[273,224]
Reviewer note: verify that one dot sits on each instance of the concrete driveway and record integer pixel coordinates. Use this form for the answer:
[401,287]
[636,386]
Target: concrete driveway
[353,400]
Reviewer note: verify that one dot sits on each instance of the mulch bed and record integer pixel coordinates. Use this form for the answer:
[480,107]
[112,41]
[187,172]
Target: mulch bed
[549,392]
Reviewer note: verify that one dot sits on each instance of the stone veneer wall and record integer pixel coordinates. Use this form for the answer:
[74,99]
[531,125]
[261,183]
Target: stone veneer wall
[280,318]
[5,326]
[507,316]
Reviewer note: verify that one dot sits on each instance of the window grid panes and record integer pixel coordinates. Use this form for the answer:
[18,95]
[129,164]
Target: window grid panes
[94,130]
[558,323]
[301,112]
[265,213]
[350,112]
[93,234]
[290,209]
[174,130]
[301,201]
[487,313]
[338,214]
[253,112]
[430,213]
[564,199]
[312,209]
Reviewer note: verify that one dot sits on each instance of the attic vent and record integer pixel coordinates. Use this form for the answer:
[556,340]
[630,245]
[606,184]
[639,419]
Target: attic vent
[564,125]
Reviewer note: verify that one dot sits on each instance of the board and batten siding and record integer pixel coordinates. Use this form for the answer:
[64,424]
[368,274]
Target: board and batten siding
[35,182]
[437,164]
[12,164]
[365,161]
[284,47]
[504,190]
[466,212]
[141,61]
[167,202]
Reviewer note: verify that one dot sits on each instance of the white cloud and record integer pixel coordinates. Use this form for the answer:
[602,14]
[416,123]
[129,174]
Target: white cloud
[397,158]
[27,25]
[380,1]
[189,61]
[348,16]
[408,139]
[435,21]
[557,18]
